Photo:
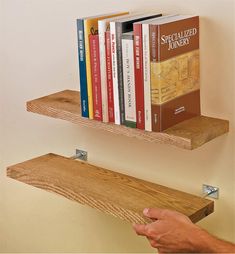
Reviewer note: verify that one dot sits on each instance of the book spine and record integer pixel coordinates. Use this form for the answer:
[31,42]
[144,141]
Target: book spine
[95,72]
[138,55]
[102,30]
[109,77]
[82,68]
[115,73]
[129,81]
[88,69]
[147,81]
[120,72]
[155,92]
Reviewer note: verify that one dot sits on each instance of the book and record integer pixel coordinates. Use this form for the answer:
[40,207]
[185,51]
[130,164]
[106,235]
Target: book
[91,27]
[109,77]
[139,73]
[129,79]
[147,81]
[175,76]
[82,68]
[103,27]
[95,73]
[116,29]
[142,59]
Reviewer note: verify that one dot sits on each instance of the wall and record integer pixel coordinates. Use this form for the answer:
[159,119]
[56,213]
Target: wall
[40,57]
[1,77]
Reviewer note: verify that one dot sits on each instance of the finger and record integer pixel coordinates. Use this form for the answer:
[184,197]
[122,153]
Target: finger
[154,213]
[140,229]
[153,243]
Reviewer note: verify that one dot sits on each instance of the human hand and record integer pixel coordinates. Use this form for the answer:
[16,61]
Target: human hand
[171,232]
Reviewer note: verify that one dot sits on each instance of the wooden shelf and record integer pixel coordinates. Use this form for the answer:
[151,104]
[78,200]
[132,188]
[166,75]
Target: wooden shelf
[189,134]
[120,195]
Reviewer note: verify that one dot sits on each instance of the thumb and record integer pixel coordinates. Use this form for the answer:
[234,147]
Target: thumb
[154,213]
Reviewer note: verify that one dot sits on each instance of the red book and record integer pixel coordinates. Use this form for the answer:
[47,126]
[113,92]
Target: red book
[109,77]
[96,80]
[139,76]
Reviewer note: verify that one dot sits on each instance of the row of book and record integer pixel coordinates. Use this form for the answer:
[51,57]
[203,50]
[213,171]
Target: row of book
[139,70]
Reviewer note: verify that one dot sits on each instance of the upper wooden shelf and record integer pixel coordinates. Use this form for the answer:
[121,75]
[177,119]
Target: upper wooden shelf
[117,194]
[189,134]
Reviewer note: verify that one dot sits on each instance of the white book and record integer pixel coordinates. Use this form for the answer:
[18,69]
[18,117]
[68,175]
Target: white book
[147,79]
[115,73]
[129,79]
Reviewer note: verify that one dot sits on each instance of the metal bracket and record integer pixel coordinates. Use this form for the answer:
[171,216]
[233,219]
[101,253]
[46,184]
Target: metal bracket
[80,155]
[210,191]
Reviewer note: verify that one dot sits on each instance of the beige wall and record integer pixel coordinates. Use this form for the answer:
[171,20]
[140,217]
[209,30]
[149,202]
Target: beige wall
[1,80]
[40,57]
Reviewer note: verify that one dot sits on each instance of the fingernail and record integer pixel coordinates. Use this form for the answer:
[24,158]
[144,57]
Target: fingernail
[146,210]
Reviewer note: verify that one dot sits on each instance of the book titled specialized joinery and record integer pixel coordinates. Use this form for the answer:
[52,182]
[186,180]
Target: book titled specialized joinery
[117,28]
[90,25]
[129,79]
[174,56]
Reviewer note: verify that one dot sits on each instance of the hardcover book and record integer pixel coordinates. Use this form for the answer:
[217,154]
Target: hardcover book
[91,27]
[117,28]
[147,80]
[95,73]
[129,79]
[142,62]
[174,55]
[109,77]
[82,68]
[139,73]
[103,27]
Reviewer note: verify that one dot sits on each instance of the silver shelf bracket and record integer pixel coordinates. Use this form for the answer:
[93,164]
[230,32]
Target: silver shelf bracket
[80,155]
[210,191]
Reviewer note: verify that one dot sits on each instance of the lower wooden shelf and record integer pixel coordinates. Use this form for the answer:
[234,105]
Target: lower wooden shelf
[189,134]
[117,194]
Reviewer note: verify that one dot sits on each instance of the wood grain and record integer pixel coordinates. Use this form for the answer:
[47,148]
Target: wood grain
[189,134]
[117,194]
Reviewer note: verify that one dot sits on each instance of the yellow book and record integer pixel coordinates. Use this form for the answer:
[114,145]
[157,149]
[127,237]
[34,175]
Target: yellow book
[91,27]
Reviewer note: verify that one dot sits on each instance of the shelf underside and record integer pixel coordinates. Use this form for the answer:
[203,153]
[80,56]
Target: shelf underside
[120,195]
[189,134]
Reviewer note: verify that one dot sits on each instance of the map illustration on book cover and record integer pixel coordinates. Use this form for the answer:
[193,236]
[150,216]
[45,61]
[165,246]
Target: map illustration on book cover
[175,74]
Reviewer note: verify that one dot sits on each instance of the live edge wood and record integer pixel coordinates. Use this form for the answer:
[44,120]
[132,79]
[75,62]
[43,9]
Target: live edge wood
[117,194]
[189,134]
